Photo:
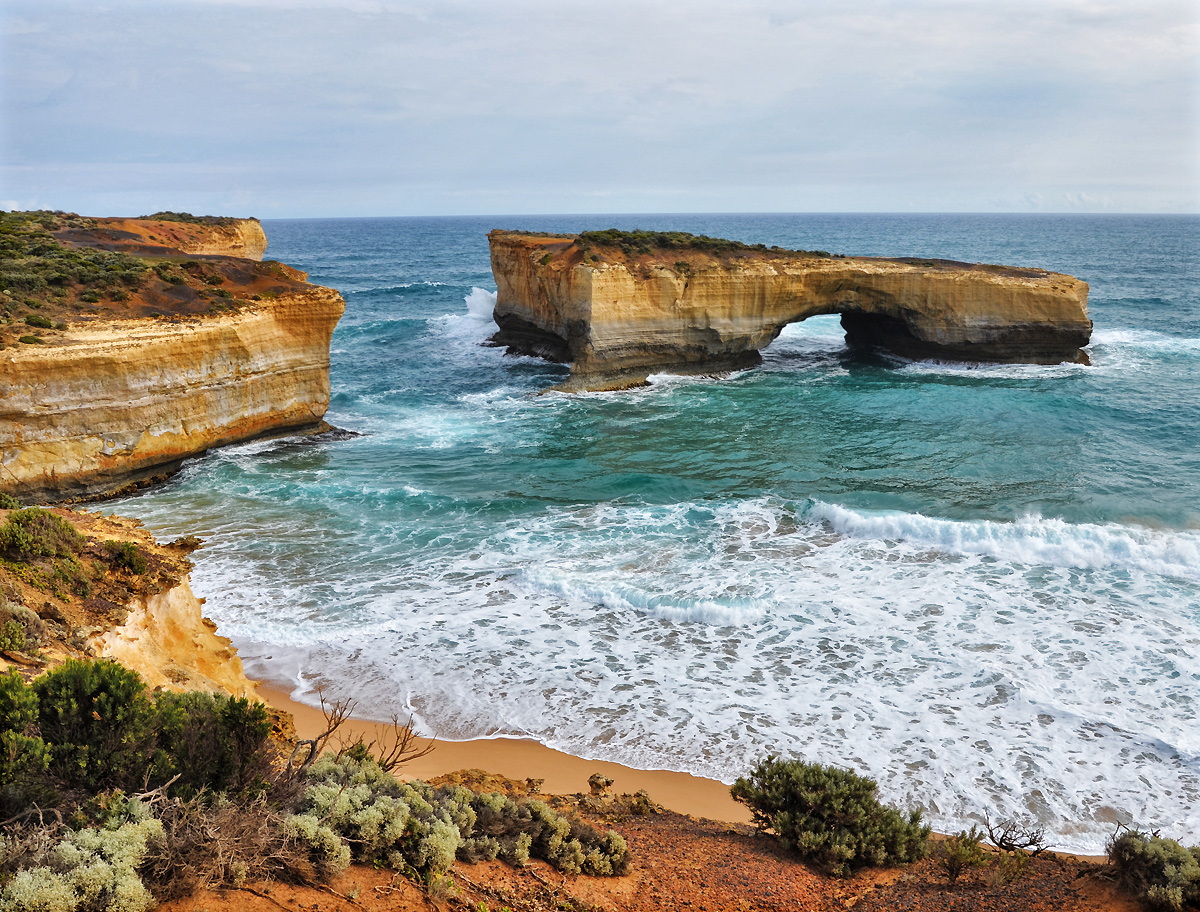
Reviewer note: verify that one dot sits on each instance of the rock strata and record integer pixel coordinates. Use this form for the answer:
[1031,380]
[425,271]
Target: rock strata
[203,352]
[616,315]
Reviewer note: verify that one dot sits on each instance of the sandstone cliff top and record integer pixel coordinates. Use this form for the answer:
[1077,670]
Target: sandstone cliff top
[60,268]
[683,253]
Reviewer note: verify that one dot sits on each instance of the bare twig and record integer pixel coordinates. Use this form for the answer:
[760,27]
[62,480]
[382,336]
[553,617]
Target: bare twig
[158,795]
[394,744]
[336,714]
[265,896]
[37,812]
[333,892]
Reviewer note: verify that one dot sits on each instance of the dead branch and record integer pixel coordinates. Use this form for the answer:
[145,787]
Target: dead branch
[265,896]
[336,714]
[394,744]
[1013,836]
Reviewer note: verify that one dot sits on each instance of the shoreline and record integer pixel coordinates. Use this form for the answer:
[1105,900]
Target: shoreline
[563,774]
[524,758]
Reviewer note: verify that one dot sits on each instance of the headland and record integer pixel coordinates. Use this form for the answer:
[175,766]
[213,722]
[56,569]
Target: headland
[131,345]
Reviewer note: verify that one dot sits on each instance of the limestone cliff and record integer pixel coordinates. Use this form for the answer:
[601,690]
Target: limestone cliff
[617,314]
[133,605]
[189,352]
[167,640]
[122,401]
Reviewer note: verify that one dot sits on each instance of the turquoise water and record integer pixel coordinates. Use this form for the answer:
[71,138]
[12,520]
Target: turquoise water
[980,584]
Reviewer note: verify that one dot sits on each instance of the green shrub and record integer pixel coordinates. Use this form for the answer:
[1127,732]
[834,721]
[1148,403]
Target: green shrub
[23,755]
[90,297]
[830,816]
[34,532]
[126,554]
[32,340]
[18,703]
[97,719]
[962,851]
[213,279]
[168,216]
[1161,872]
[39,321]
[212,742]
[12,635]
[20,628]
[8,502]
[637,242]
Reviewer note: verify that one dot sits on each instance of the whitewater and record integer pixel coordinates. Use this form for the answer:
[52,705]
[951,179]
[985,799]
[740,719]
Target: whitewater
[979,584]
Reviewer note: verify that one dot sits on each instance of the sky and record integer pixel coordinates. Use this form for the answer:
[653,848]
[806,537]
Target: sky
[319,108]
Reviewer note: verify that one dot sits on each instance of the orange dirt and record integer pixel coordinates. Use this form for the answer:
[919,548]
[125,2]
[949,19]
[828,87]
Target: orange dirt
[693,865]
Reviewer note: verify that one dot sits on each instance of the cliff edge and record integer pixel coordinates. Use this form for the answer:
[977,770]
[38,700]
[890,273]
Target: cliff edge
[618,306]
[77,584]
[122,356]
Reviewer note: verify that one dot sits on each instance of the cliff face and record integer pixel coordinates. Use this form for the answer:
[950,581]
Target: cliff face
[147,343]
[616,319]
[116,402]
[95,603]
[166,640]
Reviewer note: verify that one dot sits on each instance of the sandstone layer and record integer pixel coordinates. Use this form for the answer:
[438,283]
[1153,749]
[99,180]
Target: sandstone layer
[182,353]
[617,316]
[167,640]
[114,403]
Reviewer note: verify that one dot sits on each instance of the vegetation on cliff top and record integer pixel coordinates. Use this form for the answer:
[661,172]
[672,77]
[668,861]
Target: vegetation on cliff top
[640,242]
[637,242]
[187,217]
[37,272]
[53,272]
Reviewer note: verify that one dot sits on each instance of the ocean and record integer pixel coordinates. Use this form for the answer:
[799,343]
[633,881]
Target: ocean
[978,584]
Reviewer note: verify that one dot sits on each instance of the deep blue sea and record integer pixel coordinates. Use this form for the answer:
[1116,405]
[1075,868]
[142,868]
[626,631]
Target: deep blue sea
[978,584]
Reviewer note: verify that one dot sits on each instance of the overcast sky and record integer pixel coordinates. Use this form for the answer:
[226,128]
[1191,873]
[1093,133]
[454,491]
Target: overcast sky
[281,108]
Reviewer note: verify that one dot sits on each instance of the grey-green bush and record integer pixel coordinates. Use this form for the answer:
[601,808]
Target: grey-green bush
[413,827]
[91,870]
[830,816]
[1161,872]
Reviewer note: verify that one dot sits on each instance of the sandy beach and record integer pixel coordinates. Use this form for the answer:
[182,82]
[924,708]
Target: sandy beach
[519,758]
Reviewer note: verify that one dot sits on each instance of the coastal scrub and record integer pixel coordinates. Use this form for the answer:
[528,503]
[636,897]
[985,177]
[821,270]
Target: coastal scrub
[830,816]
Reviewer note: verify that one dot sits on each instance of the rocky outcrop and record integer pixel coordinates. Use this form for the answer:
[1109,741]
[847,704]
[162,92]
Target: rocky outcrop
[618,315]
[119,594]
[188,348]
[118,402]
[232,237]
[166,639]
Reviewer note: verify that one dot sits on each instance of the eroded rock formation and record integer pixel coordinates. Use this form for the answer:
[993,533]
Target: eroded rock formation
[97,604]
[123,385]
[618,315]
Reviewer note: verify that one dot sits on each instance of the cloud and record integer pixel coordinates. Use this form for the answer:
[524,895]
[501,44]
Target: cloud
[392,108]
